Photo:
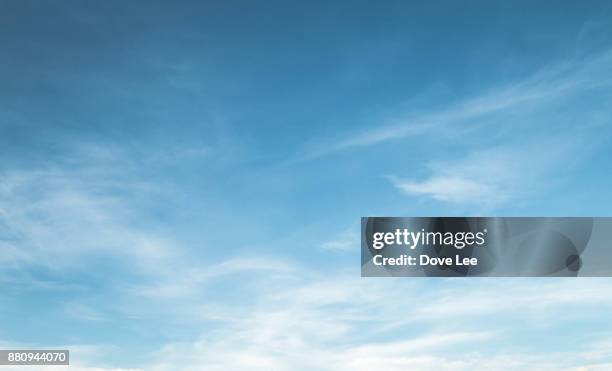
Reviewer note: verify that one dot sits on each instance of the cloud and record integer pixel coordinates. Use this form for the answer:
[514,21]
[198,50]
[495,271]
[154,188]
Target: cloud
[57,218]
[191,279]
[296,356]
[554,83]
[492,176]
[283,316]
[87,206]
[344,241]
[334,322]
[451,189]
[82,311]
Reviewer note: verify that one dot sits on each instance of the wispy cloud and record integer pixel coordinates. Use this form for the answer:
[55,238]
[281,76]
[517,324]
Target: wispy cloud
[285,316]
[556,82]
[492,176]
[191,279]
[345,240]
[338,323]
[69,218]
[452,189]
[79,208]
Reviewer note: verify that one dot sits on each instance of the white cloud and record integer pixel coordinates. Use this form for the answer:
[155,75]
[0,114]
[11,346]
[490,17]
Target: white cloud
[554,83]
[339,323]
[86,207]
[344,241]
[185,282]
[492,176]
[57,218]
[290,318]
[451,189]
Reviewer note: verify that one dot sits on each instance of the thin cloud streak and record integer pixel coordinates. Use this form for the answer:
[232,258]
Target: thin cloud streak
[553,83]
[493,176]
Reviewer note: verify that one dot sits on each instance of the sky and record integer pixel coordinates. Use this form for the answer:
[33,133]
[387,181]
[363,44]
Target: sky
[181,183]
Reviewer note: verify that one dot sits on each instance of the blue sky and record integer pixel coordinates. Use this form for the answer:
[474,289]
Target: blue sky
[181,185]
